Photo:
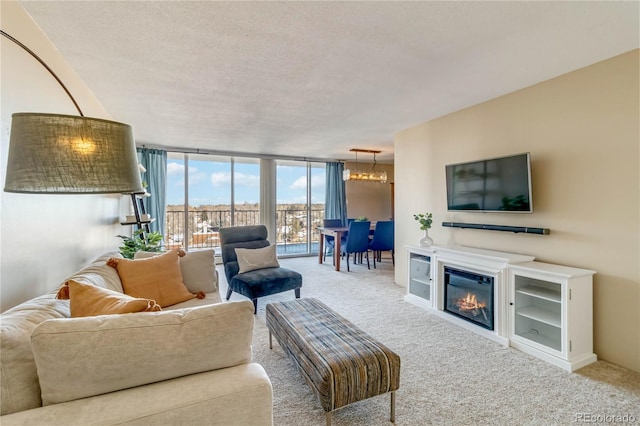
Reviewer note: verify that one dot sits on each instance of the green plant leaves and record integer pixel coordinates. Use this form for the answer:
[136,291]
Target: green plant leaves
[425,220]
[140,242]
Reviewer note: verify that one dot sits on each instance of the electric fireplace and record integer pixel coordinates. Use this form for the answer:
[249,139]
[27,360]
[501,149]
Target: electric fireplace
[469,295]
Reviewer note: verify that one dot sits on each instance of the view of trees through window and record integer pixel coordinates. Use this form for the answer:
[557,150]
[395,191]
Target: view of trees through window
[207,192]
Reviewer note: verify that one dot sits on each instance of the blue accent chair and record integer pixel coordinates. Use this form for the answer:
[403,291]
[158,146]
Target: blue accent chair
[382,240]
[357,241]
[257,283]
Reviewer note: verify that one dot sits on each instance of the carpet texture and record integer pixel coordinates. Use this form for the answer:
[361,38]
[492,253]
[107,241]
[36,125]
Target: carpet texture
[448,376]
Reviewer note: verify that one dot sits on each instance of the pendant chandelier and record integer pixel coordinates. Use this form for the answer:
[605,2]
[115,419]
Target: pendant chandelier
[373,175]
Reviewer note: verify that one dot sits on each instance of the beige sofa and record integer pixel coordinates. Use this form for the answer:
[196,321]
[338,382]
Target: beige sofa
[189,364]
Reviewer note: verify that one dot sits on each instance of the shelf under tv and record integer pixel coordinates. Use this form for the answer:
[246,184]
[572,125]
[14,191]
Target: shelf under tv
[487,227]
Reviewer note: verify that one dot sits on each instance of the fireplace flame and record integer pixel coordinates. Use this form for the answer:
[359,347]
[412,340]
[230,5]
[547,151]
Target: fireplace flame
[469,303]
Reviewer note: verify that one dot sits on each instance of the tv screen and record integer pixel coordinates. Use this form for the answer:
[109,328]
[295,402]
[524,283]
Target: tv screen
[494,185]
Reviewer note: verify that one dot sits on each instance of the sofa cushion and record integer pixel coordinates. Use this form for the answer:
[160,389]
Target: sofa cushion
[99,274]
[115,352]
[87,300]
[252,259]
[20,389]
[209,299]
[234,396]
[198,269]
[157,278]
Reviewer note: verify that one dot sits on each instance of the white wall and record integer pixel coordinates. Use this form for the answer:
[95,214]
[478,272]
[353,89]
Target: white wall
[44,238]
[369,199]
[582,130]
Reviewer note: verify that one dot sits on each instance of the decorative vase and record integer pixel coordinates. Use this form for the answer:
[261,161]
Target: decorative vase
[426,241]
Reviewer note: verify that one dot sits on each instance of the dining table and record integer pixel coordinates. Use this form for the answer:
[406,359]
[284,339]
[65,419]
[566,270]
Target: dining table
[336,233]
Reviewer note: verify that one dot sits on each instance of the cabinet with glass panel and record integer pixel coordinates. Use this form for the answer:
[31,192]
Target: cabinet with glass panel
[551,313]
[420,286]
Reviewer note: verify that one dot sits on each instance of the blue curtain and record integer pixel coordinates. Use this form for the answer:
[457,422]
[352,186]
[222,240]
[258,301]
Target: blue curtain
[335,206]
[155,161]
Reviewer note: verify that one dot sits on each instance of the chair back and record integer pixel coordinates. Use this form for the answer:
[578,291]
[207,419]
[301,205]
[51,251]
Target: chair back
[358,237]
[251,237]
[382,236]
[332,223]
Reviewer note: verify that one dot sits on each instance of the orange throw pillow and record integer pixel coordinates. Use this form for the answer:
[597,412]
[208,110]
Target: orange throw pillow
[86,300]
[158,278]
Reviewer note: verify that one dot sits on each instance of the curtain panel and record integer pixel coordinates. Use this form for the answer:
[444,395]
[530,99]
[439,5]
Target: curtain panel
[336,199]
[155,161]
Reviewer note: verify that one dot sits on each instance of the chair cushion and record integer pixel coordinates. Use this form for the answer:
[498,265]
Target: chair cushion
[263,282]
[253,259]
[248,237]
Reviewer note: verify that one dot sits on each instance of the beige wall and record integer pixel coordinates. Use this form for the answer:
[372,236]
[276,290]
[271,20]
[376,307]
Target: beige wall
[372,200]
[43,238]
[582,130]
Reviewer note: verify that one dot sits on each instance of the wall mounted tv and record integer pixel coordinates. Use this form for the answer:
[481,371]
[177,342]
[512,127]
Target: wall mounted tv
[495,185]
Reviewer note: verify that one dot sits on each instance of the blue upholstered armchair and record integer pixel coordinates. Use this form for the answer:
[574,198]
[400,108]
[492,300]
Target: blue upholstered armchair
[258,282]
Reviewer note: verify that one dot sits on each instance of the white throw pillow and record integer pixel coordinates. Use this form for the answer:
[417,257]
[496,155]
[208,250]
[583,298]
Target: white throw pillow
[252,259]
[198,269]
[81,357]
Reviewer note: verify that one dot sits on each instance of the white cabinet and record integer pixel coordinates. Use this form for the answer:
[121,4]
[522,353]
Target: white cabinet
[542,309]
[551,313]
[420,288]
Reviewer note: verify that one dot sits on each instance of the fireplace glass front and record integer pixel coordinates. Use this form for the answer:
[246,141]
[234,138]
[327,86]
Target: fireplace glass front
[469,296]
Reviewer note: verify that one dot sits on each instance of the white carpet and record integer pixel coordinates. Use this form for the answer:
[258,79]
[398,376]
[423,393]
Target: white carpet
[449,376]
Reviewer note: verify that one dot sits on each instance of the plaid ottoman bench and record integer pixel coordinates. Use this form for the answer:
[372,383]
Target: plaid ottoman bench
[341,363]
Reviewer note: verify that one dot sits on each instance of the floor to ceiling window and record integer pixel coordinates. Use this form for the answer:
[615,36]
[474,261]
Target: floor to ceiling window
[300,205]
[246,192]
[207,192]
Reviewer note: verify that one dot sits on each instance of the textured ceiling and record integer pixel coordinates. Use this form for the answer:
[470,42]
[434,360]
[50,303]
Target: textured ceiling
[314,79]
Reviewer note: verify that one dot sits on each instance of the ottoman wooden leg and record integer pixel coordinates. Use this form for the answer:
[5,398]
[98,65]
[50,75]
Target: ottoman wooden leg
[393,407]
[328,417]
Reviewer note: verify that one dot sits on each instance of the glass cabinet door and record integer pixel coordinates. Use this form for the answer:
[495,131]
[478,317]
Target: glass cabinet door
[538,311]
[420,276]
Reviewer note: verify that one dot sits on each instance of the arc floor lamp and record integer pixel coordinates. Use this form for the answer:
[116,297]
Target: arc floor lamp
[68,154]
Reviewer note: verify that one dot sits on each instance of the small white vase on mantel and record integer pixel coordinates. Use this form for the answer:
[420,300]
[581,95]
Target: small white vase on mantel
[426,241]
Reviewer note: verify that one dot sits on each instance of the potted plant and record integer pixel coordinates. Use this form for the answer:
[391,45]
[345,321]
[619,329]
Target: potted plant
[425,220]
[149,242]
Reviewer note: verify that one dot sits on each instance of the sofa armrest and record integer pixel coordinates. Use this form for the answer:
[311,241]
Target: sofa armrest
[239,395]
[82,357]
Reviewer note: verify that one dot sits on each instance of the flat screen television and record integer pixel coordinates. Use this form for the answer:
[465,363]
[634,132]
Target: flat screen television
[495,185]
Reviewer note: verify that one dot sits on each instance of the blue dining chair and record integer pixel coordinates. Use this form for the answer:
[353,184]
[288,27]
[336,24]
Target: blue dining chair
[329,242]
[382,240]
[357,241]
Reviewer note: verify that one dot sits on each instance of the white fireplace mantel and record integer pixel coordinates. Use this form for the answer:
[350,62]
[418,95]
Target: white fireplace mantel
[486,262]
[542,309]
